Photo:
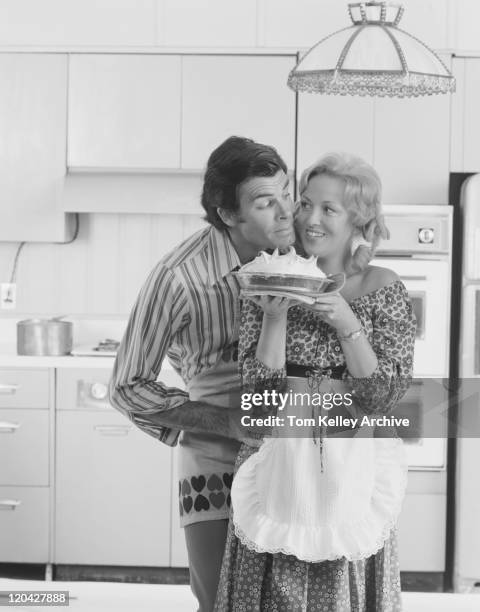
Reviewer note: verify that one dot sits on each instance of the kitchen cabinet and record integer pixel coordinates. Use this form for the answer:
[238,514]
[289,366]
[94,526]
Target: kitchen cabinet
[465,124]
[334,123]
[113,482]
[124,111]
[77,22]
[406,140]
[411,149]
[466,17]
[236,95]
[25,423]
[33,115]
[210,23]
[302,23]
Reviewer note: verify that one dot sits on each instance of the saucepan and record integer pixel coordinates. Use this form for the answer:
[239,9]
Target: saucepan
[44,336]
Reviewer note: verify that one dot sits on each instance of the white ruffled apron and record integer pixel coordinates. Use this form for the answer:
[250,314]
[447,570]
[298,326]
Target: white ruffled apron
[319,502]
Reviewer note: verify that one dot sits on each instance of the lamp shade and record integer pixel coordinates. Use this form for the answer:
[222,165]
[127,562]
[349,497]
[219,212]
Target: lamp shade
[373,57]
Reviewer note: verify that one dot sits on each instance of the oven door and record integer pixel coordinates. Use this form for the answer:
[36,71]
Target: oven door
[428,285]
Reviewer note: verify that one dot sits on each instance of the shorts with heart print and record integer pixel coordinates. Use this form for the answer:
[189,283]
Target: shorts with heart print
[205,470]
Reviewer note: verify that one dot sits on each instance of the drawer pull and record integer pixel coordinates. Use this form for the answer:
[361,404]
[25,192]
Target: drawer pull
[9,504]
[6,427]
[6,389]
[113,430]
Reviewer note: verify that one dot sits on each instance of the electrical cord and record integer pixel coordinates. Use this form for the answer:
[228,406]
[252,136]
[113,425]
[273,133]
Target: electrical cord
[13,276]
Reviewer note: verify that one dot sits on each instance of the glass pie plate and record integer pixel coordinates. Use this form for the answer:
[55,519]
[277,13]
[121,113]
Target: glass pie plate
[303,288]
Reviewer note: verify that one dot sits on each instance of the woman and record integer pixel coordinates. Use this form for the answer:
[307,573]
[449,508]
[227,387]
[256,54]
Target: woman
[363,335]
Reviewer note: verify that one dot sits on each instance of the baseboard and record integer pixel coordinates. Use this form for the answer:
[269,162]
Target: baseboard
[428,582]
[432,582]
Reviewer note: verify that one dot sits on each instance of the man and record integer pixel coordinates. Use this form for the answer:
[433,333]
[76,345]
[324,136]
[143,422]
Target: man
[188,310]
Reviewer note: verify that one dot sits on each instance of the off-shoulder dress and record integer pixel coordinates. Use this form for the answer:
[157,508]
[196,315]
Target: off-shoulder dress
[252,581]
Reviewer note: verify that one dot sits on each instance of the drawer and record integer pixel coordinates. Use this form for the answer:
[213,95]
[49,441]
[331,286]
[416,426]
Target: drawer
[24,526]
[24,447]
[24,388]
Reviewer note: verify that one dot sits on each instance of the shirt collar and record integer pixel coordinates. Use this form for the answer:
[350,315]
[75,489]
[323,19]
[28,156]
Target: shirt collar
[222,256]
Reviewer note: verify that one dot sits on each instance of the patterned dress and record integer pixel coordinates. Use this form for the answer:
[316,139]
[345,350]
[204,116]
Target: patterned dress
[263,582]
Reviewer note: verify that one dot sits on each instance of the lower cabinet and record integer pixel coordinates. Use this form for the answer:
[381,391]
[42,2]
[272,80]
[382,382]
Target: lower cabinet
[113,481]
[24,524]
[26,410]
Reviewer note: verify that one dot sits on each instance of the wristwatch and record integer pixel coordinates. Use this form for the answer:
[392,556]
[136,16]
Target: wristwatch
[352,336]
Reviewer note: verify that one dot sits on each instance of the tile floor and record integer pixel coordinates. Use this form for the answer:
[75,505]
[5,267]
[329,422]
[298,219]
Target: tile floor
[109,596]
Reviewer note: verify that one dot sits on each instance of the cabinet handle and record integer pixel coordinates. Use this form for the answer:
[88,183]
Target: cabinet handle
[9,504]
[6,389]
[406,277]
[113,430]
[6,427]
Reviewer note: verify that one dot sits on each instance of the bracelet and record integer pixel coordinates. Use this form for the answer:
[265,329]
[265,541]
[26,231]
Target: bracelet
[352,336]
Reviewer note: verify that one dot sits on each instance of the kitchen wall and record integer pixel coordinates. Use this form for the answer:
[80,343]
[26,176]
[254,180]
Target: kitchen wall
[100,273]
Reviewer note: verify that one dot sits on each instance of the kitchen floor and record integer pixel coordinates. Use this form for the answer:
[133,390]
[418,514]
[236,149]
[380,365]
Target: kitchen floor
[105,596]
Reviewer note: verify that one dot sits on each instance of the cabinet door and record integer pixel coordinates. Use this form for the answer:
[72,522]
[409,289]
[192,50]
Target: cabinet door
[24,447]
[124,111]
[302,23]
[236,95]
[24,524]
[466,17]
[113,492]
[412,149]
[33,114]
[334,123]
[210,23]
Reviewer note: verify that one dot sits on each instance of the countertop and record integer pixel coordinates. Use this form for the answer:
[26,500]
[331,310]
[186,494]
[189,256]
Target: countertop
[10,359]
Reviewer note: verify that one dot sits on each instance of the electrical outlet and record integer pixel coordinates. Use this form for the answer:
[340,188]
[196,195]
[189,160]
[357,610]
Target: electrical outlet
[8,296]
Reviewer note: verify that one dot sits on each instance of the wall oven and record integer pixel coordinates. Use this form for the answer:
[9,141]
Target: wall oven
[419,251]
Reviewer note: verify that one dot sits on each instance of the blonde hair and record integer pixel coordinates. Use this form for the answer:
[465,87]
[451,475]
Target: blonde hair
[362,199]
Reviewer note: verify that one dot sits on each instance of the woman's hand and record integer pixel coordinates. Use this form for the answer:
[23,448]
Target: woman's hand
[274,307]
[335,310]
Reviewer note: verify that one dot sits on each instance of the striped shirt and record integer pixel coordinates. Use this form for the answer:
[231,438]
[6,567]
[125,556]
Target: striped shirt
[187,310]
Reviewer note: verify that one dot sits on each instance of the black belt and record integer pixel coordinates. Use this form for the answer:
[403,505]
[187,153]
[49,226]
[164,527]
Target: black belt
[301,371]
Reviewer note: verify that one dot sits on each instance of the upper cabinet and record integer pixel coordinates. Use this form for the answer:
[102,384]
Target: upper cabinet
[411,149]
[207,23]
[236,95]
[407,141]
[302,23]
[33,116]
[465,25]
[124,111]
[465,126]
[334,123]
[166,112]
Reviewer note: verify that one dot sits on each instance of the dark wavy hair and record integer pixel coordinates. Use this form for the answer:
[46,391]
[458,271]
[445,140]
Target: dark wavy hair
[234,161]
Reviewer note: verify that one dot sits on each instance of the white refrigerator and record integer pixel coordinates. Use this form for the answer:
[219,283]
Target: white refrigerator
[467,482]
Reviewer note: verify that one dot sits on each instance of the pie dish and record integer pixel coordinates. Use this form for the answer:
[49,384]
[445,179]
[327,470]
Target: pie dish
[288,275]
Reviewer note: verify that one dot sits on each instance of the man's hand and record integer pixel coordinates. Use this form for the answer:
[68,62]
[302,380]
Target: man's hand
[251,434]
